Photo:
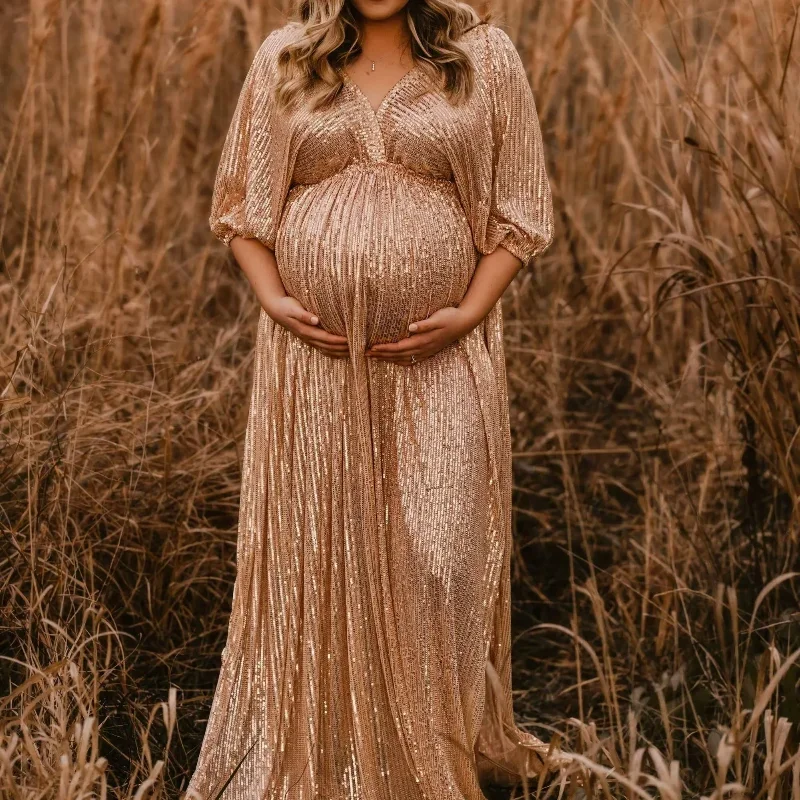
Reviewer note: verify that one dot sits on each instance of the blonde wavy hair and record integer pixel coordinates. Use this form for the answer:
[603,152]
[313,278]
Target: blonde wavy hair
[330,38]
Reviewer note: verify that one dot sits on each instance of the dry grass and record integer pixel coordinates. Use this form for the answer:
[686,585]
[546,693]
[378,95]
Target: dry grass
[654,370]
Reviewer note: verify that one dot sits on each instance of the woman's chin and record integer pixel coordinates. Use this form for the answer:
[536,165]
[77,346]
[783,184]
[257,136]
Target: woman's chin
[379,10]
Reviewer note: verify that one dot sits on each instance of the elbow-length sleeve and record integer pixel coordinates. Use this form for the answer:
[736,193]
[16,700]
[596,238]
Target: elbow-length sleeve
[253,174]
[514,208]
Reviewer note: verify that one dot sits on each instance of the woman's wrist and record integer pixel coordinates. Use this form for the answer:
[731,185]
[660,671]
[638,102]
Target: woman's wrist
[271,303]
[493,274]
[470,315]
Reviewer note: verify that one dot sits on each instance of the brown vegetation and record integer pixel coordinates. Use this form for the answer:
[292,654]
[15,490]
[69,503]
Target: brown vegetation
[653,364]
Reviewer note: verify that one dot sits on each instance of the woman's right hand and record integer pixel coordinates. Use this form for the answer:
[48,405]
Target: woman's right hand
[259,265]
[288,312]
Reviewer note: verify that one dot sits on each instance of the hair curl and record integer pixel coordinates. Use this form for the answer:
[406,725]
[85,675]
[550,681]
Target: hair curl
[329,38]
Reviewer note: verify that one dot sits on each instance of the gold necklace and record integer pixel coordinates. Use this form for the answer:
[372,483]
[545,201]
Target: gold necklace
[372,63]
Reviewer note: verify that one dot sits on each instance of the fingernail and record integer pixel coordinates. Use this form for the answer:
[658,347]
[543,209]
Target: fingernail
[314,320]
[412,326]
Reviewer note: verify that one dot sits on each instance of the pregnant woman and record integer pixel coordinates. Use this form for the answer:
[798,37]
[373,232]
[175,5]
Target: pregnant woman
[381,184]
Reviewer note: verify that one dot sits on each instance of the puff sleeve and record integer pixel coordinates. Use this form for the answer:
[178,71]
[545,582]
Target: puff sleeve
[253,173]
[515,208]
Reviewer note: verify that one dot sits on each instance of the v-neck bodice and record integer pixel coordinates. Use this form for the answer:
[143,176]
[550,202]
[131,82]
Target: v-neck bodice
[487,146]
[348,79]
[407,127]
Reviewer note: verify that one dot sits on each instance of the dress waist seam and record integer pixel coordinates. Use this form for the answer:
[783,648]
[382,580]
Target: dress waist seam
[368,166]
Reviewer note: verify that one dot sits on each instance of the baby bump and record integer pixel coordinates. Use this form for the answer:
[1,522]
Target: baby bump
[374,248]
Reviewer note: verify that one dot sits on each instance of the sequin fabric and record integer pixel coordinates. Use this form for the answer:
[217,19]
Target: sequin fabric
[368,651]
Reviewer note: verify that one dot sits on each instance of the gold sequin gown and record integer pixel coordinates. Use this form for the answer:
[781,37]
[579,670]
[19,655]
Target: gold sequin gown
[368,650]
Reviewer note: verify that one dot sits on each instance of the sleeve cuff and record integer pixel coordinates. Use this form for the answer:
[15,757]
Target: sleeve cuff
[516,246]
[226,237]
[223,230]
[524,247]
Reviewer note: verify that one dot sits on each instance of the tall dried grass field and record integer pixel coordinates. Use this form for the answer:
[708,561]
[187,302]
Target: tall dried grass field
[654,369]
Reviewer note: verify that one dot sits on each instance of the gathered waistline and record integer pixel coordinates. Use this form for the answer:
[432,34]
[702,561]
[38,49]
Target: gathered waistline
[372,166]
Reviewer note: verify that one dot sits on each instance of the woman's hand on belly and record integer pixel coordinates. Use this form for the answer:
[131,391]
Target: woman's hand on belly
[289,313]
[492,275]
[261,268]
[427,338]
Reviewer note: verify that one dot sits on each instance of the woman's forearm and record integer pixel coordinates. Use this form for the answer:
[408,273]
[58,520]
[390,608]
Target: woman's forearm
[491,278]
[428,336]
[259,265]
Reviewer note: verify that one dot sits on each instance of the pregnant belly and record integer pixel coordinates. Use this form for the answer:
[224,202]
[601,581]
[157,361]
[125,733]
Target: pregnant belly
[373,249]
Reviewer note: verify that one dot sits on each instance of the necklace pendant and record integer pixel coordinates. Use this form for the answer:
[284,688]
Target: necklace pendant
[373,66]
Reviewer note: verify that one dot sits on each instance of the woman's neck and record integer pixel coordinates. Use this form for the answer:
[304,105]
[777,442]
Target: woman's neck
[384,36]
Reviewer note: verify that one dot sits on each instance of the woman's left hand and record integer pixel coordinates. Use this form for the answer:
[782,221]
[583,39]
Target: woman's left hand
[427,337]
